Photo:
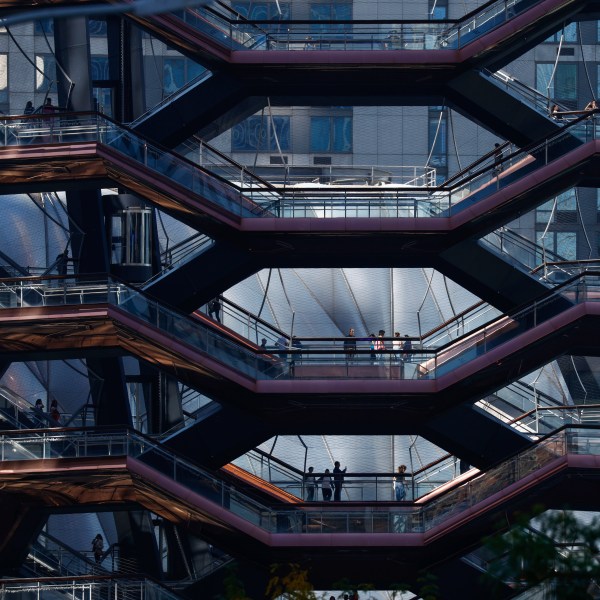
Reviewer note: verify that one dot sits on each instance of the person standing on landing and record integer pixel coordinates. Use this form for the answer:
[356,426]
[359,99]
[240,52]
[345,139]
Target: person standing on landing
[338,481]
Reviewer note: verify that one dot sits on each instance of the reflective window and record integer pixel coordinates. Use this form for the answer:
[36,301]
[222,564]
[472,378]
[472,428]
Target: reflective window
[97,27]
[100,68]
[261,134]
[258,11]
[178,71]
[563,243]
[562,85]
[438,138]
[568,33]
[564,212]
[330,11]
[45,72]
[438,9]
[4,80]
[331,134]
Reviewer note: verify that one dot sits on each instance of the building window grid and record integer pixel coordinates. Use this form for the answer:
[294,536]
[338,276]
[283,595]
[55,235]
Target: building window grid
[257,134]
[564,212]
[438,138]
[560,86]
[178,71]
[569,34]
[45,72]
[563,243]
[331,134]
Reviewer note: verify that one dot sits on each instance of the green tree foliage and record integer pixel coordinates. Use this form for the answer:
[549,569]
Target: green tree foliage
[233,586]
[555,549]
[290,582]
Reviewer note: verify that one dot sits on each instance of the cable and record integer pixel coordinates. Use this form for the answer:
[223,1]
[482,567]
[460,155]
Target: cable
[260,132]
[435,137]
[262,304]
[562,37]
[31,62]
[274,130]
[454,140]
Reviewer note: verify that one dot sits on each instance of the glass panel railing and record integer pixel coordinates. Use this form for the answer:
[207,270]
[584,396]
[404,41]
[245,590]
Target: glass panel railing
[201,78]
[463,324]
[519,250]
[50,557]
[532,97]
[260,464]
[239,33]
[180,254]
[477,184]
[81,127]
[327,518]
[253,328]
[127,588]
[314,358]
[357,487]
[209,158]
[224,26]
[254,197]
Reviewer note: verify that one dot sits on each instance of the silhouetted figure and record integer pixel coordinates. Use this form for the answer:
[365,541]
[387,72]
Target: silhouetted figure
[54,414]
[326,485]
[98,548]
[61,263]
[263,344]
[39,413]
[28,110]
[338,481]
[48,108]
[310,483]
[214,309]
[350,345]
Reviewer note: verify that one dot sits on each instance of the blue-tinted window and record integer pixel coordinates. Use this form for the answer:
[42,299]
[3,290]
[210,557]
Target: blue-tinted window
[43,26]
[259,134]
[438,9]
[438,139]
[331,134]
[564,210]
[100,68]
[178,71]
[563,243]
[97,27]
[330,12]
[262,11]
[563,86]
[569,34]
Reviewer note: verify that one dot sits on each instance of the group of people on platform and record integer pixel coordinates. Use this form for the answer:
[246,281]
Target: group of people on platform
[558,114]
[332,483]
[44,418]
[401,347]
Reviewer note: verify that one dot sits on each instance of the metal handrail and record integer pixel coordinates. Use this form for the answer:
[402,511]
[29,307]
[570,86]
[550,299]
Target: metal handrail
[438,507]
